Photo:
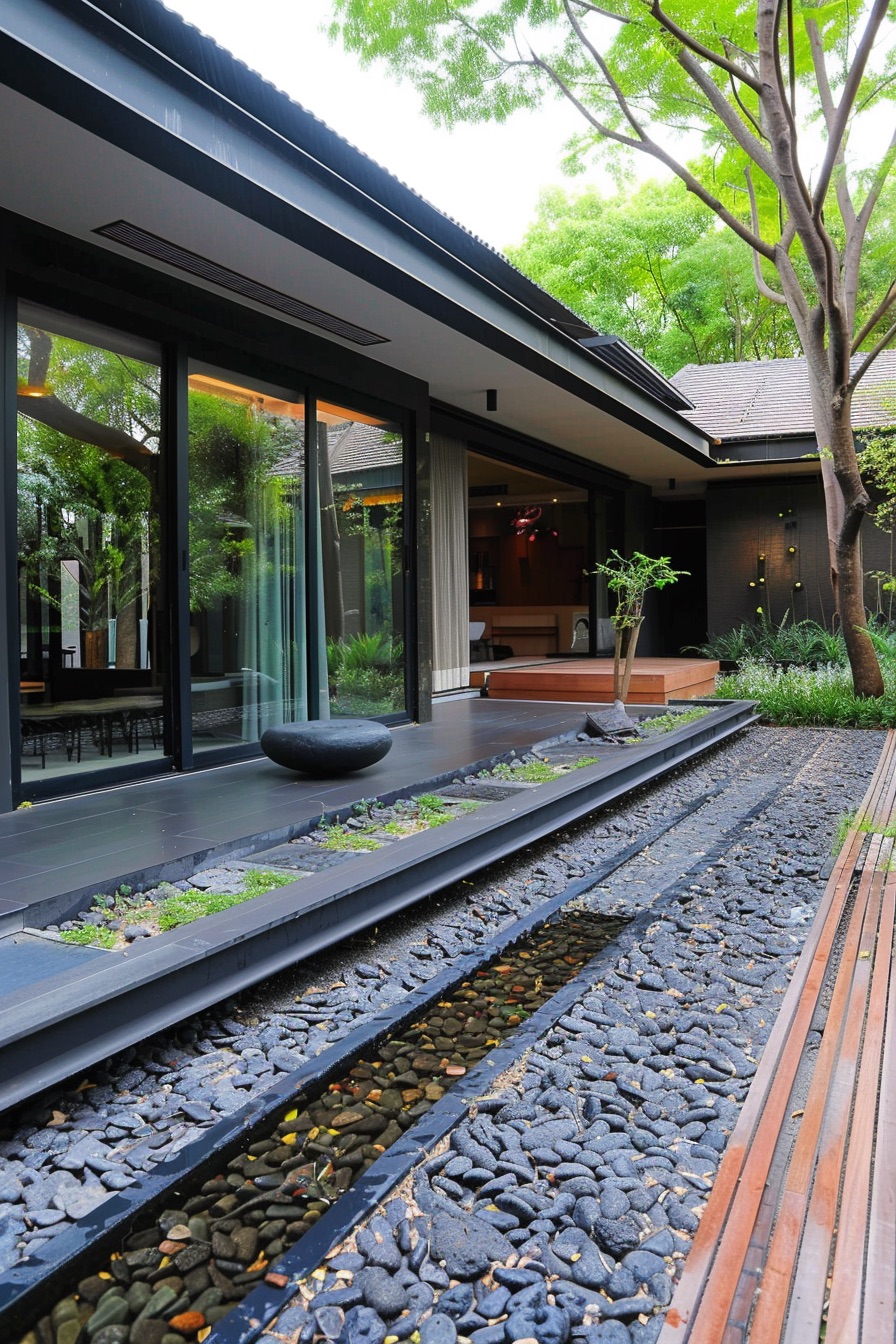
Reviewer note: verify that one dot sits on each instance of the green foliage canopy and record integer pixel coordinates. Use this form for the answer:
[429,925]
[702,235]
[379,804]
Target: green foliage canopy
[751,79]
[651,266]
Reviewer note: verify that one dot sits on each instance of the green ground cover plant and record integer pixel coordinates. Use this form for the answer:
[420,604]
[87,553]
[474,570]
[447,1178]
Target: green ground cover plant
[676,718]
[867,827]
[177,908]
[183,907]
[533,772]
[337,837]
[410,816]
[88,936]
[810,697]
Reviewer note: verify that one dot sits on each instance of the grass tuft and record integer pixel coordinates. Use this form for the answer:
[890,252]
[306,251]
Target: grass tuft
[88,935]
[676,718]
[184,906]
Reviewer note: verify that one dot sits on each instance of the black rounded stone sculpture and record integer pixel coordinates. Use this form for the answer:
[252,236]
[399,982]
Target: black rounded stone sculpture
[327,746]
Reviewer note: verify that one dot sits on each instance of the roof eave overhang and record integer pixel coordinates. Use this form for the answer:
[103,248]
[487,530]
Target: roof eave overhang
[102,77]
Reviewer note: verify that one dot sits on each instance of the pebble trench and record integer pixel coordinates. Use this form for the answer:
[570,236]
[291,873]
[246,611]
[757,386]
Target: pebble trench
[565,1204]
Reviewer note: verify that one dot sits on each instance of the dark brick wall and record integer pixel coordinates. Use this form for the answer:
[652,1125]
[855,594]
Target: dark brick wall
[746,521]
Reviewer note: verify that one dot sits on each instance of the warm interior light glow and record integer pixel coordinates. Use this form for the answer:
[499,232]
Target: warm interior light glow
[247,396]
[338,415]
[381,497]
[34,390]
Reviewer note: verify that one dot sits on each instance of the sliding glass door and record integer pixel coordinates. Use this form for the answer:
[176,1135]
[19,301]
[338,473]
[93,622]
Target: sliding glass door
[93,669]
[248,653]
[360,466]
[295,558]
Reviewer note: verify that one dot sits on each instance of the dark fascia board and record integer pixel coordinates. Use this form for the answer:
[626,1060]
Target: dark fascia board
[768,482]
[186,60]
[491,437]
[201,56]
[786,448]
[619,355]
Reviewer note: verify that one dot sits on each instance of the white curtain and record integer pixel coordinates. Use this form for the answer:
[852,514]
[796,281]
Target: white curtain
[272,610]
[450,565]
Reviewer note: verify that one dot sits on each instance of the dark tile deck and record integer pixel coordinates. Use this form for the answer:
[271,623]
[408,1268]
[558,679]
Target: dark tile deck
[97,838]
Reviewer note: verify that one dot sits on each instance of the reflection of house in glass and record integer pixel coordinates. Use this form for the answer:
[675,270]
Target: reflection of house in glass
[287,435]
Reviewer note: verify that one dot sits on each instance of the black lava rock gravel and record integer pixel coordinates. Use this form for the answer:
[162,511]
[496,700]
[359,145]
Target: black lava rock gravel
[565,1204]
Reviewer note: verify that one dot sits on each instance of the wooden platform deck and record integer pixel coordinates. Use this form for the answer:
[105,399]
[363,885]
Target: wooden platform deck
[798,1239]
[590,680]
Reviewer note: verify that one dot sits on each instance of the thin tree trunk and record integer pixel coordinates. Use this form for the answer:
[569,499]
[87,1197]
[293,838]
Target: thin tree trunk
[630,659]
[617,659]
[126,634]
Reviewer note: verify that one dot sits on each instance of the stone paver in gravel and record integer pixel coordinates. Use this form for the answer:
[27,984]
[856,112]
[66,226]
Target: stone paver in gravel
[656,1063]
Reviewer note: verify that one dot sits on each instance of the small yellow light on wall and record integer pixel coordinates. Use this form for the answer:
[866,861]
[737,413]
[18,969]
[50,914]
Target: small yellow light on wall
[752,583]
[797,587]
[791,550]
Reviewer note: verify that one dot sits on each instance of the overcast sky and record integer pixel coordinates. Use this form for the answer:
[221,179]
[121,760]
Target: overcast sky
[486,177]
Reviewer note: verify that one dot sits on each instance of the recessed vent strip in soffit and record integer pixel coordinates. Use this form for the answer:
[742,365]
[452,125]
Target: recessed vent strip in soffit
[140,240]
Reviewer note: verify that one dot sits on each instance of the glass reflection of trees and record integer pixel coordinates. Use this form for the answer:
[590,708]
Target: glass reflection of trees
[90,547]
[88,452]
[247,598]
[362,562]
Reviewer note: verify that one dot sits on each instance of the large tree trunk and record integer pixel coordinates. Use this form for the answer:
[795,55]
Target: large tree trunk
[846,503]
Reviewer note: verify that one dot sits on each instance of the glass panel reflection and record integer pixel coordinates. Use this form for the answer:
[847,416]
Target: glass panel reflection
[93,665]
[247,613]
[360,462]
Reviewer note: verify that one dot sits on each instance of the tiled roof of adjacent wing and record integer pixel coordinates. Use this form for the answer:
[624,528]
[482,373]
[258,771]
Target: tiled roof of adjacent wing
[770,397]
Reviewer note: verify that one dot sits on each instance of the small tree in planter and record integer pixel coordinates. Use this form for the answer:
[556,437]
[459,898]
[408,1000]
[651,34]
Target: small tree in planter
[630,581]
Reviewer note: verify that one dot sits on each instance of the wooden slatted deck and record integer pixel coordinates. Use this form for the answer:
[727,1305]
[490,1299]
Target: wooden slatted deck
[800,1228]
[590,680]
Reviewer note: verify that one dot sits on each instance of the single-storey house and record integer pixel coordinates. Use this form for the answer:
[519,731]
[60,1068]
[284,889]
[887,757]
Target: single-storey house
[277,433]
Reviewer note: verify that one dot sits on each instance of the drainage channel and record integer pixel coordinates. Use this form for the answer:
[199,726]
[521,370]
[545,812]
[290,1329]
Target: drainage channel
[59,1267]
[188,1265]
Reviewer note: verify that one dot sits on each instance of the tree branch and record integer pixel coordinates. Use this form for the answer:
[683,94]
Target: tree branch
[748,115]
[880,311]
[604,13]
[648,146]
[837,128]
[852,253]
[885,340]
[621,100]
[489,46]
[606,132]
[752,147]
[764,288]
[786,173]
[773,54]
[826,98]
[797,304]
[722,62]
